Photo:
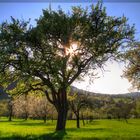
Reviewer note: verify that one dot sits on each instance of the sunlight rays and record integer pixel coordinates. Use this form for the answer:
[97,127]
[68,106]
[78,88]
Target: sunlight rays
[72,50]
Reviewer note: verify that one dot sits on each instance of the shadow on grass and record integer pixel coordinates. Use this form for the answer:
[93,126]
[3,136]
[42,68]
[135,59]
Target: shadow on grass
[59,135]
[86,129]
[32,124]
[62,135]
[28,123]
[12,121]
[94,122]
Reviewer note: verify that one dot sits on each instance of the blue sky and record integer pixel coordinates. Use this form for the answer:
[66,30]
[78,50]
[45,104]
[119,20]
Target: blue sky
[110,81]
[34,10]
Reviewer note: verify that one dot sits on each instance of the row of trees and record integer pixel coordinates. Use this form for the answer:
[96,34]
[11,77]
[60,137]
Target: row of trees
[59,49]
[35,105]
[81,107]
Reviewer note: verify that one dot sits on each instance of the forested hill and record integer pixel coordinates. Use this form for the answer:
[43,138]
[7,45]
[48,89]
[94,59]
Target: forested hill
[4,95]
[131,95]
[125,95]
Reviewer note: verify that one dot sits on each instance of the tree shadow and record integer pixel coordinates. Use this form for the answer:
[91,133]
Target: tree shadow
[58,135]
[26,123]
[32,124]
[12,121]
[87,129]
[93,122]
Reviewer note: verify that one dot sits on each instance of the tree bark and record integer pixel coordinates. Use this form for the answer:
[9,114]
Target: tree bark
[62,110]
[83,119]
[61,119]
[45,118]
[26,116]
[26,107]
[10,110]
[52,118]
[59,100]
[10,116]
[78,120]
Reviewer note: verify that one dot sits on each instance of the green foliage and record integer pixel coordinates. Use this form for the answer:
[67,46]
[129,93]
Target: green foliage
[132,71]
[138,107]
[3,108]
[79,101]
[43,51]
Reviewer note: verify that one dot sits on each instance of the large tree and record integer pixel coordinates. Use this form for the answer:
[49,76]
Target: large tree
[60,48]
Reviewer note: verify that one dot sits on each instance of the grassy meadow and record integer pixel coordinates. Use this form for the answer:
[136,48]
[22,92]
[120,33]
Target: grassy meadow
[98,129]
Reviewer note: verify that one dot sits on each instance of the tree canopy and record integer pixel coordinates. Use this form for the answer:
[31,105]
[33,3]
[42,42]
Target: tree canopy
[132,71]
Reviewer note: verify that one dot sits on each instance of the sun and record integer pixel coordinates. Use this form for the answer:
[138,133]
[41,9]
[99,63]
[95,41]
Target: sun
[72,50]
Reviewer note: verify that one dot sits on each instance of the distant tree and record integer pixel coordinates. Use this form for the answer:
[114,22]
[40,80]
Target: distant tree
[37,107]
[77,102]
[60,48]
[21,106]
[26,106]
[40,108]
[3,108]
[124,109]
[10,108]
[113,112]
[132,71]
[138,108]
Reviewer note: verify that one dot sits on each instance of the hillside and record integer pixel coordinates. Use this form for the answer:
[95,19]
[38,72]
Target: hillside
[132,95]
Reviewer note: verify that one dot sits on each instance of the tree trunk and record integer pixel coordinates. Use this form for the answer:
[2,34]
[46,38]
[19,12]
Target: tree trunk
[62,110]
[52,116]
[125,119]
[10,116]
[26,116]
[87,118]
[45,118]
[52,119]
[78,120]
[26,107]
[10,110]
[59,100]
[83,120]
[61,119]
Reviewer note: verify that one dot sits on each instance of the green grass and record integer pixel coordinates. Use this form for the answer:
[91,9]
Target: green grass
[98,129]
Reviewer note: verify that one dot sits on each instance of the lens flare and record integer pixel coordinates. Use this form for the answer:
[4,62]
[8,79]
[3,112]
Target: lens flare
[72,50]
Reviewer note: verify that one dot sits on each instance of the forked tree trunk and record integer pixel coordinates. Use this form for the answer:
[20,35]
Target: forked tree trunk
[59,100]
